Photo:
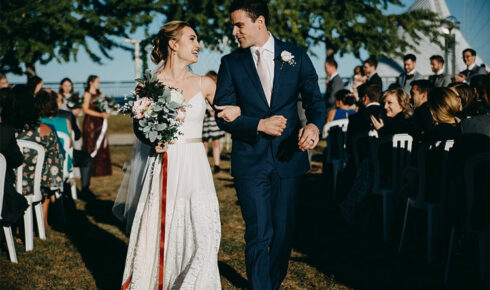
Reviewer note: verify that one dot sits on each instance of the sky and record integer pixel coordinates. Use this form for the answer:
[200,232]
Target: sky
[473,14]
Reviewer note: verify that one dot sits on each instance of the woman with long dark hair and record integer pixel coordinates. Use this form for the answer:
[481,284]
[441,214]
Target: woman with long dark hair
[95,140]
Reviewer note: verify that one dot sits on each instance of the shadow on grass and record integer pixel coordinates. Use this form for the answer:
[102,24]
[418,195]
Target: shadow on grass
[102,252]
[232,276]
[360,260]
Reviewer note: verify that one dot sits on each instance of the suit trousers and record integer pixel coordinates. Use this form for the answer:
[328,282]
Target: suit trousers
[268,209]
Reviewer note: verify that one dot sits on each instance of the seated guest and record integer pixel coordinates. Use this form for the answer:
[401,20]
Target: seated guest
[344,100]
[398,114]
[421,116]
[439,78]
[21,113]
[405,79]
[360,121]
[478,85]
[444,105]
[464,93]
[47,104]
[14,204]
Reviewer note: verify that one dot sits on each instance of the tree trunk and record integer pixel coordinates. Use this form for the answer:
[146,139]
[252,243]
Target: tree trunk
[30,69]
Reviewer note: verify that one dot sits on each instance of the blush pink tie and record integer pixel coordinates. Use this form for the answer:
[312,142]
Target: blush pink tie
[263,75]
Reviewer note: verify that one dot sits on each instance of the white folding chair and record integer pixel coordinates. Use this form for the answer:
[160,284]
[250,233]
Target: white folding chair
[36,197]
[419,202]
[336,161]
[401,149]
[6,229]
[67,175]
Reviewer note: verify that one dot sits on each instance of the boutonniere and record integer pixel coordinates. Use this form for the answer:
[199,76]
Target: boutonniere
[286,57]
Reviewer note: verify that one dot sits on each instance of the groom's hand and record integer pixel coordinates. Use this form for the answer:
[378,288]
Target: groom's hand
[272,126]
[308,137]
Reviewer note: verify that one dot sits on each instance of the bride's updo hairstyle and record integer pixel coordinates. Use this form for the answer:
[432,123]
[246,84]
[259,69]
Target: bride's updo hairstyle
[170,31]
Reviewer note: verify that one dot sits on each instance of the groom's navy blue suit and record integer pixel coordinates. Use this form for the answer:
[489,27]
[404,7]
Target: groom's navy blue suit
[267,168]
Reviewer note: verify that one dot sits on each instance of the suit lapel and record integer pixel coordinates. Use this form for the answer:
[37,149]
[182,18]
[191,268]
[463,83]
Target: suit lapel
[277,69]
[248,63]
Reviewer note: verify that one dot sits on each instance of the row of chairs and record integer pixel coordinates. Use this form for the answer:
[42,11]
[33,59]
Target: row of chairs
[34,200]
[401,145]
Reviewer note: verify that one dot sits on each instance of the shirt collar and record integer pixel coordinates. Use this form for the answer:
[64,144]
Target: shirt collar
[372,104]
[334,75]
[412,72]
[440,72]
[471,67]
[268,45]
[371,75]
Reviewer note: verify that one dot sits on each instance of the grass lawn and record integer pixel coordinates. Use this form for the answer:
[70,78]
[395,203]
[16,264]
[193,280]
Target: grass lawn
[89,251]
[118,124]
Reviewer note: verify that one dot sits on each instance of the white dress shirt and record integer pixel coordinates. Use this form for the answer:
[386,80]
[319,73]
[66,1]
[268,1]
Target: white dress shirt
[267,56]
[332,76]
[472,66]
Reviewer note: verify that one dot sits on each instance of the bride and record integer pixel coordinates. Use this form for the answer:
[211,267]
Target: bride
[175,233]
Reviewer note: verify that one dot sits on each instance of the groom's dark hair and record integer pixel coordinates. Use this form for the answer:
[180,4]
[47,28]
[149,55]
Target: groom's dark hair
[254,9]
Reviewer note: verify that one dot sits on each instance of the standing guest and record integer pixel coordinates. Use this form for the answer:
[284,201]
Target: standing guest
[94,136]
[344,100]
[13,203]
[3,81]
[35,84]
[70,108]
[358,79]
[210,129]
[406,78]
[21,112]
[439,78]
[369,67]
[472,69]
[398,114]
[422,117]
[334,83]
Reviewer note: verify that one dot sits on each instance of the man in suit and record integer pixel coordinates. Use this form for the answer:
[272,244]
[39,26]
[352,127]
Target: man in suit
[264,78]
[369,68]
[361,121]
[439,78]
[422,117]
[472,69]
[405,79]
[334,83]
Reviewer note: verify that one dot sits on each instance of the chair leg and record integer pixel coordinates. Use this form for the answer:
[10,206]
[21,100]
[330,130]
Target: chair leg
[387,216]
[404,227]
[28,229]
[432,216]
[40,220]
[10,244]
[449,253]
[74,191]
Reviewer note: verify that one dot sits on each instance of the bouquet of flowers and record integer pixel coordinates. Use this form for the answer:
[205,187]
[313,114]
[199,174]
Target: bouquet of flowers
[159,109]
[104,104]
[73,101]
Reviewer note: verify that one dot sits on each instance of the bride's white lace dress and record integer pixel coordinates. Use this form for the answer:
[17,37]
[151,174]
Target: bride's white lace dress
[192,223]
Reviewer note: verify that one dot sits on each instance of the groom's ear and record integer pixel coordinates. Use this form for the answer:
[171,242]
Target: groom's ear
[260,20]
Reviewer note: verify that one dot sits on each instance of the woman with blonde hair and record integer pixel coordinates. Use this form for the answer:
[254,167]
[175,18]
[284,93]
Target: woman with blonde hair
[398,114]
[176,231]
[444,105]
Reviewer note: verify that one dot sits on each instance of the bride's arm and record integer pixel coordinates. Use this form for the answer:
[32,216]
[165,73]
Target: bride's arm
[228,113]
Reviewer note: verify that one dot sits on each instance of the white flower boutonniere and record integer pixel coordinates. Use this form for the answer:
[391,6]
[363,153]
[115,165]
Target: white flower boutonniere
[287,57]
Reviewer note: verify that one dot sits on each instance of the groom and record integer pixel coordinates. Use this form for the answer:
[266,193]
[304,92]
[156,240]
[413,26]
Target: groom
[264,78]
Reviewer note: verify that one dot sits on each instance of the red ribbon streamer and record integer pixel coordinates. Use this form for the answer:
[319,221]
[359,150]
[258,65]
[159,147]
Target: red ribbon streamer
[162,228]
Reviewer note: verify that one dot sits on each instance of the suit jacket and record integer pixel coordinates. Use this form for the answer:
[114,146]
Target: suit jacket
[361,122]
[477,70]
[333,86]
[439,81]
[423,121]
[239,84]
[405,83]
[14,204]
[375,79]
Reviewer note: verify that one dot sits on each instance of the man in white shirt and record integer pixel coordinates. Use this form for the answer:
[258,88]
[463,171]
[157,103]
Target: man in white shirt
[439,78]
[472,69]
[405,79]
